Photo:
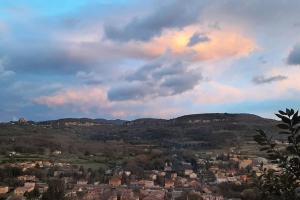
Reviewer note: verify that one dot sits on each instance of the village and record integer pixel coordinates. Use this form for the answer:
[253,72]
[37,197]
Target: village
[199,179]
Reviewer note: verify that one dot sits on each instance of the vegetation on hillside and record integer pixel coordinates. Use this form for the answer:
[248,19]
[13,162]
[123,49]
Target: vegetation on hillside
[283,183]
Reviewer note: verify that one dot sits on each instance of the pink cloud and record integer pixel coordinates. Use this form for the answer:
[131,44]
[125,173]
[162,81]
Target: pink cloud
[217,93]
[74,97]
[230,43]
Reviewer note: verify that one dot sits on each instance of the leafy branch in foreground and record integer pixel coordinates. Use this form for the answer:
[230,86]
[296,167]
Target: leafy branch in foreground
[283,182]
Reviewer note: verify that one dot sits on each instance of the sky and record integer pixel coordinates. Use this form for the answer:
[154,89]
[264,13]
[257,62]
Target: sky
[131,59]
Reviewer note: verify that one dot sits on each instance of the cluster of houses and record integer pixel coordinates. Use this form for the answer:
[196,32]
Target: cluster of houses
[168,183]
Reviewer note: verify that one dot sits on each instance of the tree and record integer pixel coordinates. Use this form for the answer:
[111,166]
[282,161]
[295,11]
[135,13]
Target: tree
[281,184]
[34,194]
[56,190]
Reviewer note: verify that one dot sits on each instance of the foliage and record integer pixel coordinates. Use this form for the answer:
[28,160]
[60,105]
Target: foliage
[56,190]
[10,172]
[284,182]
[34,194]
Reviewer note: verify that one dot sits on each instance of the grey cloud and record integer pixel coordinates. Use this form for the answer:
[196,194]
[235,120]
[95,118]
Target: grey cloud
[268,16]
[198,38]
[52,56]
[172,69]
[165,76]
[294,56]
[42,57]
[262,79]
[5,73]
[174,14]
[38,49]
[216,26]
[262,60]
[144,72]
[156,71]
[180,83]
[89,78]
[136,91]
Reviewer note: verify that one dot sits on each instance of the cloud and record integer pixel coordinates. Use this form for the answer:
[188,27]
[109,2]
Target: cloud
[93,102]
[117,65]
[90,78]
[3,72]
[165,76]
[262,79]
[180,83]
[165,65]
[130,91]
[173,14]
[216,93]
[80,96]
[225,44]
[142,90]
[198,38]
[48,45]
[294,56]
[255,15]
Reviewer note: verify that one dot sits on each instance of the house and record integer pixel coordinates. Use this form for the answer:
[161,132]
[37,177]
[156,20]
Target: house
[28,187]
[173,175]
[4,189]
[162,174]
[22,121]
[232,179]
[26,178]
[194,184]
[260,160]
[214,169]
[56,152]
[68,180]
[245,163]
[193,175]
[244,178]
[221,180]
[187,172]
[82,182]
[167,168]
[211,197]
[42,187]
[153,176]
[169,184]
[113,197]
[148,184]
[47,163]
[115,181]
[20,191]
[12,153]
[127,173]
[180,182]
[27,165]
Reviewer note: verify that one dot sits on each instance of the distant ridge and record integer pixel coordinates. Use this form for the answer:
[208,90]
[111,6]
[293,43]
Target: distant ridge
[208,131]
[220,116]
[203,117]
[74,121]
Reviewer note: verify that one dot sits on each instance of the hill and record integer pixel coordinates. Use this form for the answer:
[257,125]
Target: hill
[75,136]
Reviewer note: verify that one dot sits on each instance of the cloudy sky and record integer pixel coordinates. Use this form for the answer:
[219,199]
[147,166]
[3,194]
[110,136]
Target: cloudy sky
[130,59]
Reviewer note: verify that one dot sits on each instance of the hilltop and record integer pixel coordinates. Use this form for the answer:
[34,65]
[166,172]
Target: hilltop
[215,130]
